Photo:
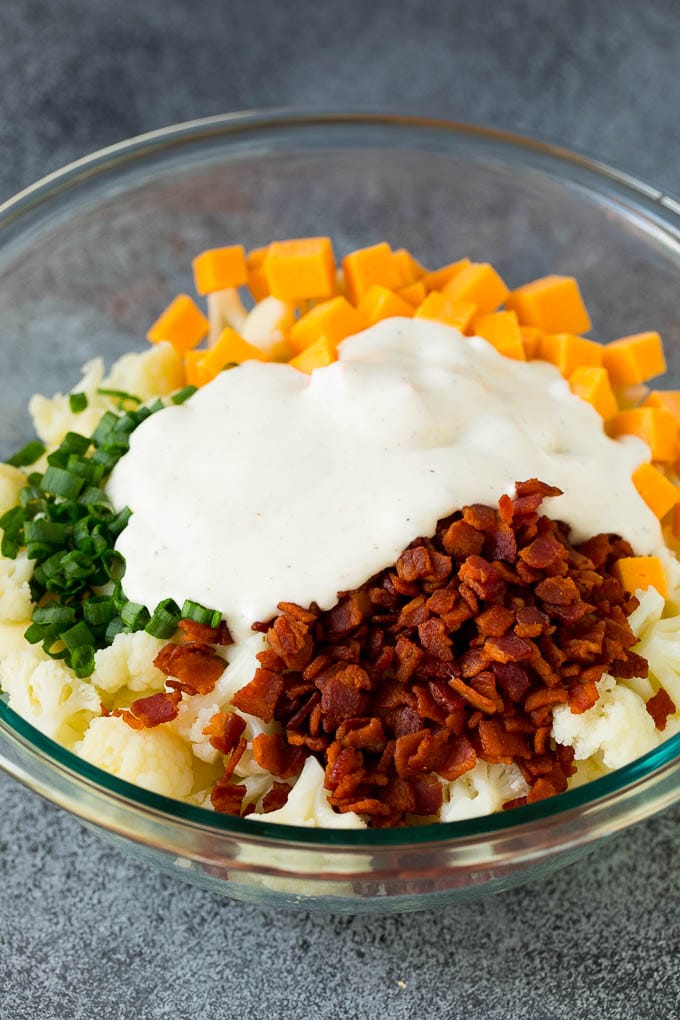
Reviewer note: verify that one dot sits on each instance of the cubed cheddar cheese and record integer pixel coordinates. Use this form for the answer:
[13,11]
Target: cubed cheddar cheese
[531,339]
[669,400]
[408,269]
[552,304]
[436,279]
[193,369]
[219,268]
[334,319]
[301,268]
[569,352]
[257,279]
[635,572]
[319,354]
[656,427]
[658,492]
[438,308]
[591,383]
[368,267]
[182,324]
[381,303]
[634,359]
[415,293]
[230,349]
[501,329]
[478,283]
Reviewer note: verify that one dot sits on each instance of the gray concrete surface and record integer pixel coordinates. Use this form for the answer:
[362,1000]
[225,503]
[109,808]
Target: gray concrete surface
[86,932]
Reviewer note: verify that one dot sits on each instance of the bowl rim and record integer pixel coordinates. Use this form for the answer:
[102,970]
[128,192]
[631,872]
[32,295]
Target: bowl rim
[663,208]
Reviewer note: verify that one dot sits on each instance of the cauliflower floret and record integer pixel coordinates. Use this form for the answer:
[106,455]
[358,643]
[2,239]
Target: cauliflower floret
[268,322]
[15,595]
[128,662]
[481,791]
[617,729]
[153,373]
[12,638]
[308,805]
[153,758]
[53,417]
[48,695]
[660,645]
[11,481]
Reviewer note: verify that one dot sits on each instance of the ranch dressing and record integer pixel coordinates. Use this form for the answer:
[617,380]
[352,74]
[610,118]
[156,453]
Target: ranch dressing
[270,485]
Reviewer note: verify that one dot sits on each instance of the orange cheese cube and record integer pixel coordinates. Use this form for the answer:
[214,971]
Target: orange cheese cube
[479,283]
[319,354]
[334,319]
[367,267]
[280,351]
[502,330]
[193,368]
[553,304]
[591,383]
[531,339]
[658,492]
[658,429]
[438,308]
[669,400]
[438,278]
[641,572]
[380,303]
[219,268]
[569,352]
[182,324]
[301,268]
[408,269]
[634,359]
[257,279]
[230,349]
[414,293]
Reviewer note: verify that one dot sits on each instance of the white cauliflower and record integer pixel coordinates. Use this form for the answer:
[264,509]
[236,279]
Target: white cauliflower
[660,645]
[308,805]
[225,308]
[269,321]
[48,695]
[11,481]
[155,372]
[615,731]
[15,595]
[128,662]
[481,791]
[156,759]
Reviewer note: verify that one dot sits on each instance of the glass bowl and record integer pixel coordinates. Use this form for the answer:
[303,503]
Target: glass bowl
[89,256]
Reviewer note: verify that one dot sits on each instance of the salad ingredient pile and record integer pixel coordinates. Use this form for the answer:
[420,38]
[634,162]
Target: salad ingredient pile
[329,588]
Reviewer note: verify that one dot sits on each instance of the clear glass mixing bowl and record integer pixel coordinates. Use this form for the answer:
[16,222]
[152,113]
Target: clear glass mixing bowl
[90,255]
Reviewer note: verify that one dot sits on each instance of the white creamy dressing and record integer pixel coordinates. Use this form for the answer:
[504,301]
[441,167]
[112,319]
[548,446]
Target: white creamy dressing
[270,485]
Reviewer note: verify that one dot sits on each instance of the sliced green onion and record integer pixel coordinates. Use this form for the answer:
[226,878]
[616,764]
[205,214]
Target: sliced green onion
[77,402]
[28,454]
[199,614]
[120,395]
[61,483]
[116,626]
[82,660]
[107,424]
[99,610]
[135,616]
[73,442]
[57,459]
[117,523]
[45,531]
[78,635]
[182,395]
[54,615]
[163,622]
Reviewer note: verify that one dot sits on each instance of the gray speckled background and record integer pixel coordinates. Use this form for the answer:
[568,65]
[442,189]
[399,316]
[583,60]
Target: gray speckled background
[84,931]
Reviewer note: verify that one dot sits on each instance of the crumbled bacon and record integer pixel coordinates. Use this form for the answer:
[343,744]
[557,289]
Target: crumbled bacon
[144,713]
[660,707]
[195,667]
[458,653]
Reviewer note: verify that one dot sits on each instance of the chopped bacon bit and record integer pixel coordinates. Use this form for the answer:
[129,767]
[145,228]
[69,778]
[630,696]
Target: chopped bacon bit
[225,730]
[259,697]
[227,798]
[459,652]
[660,707]
[276,798]
[145,713]
[280,759]
[198,632]
[197,667]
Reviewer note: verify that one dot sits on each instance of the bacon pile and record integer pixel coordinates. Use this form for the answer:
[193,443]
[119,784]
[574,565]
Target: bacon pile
[459,652]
